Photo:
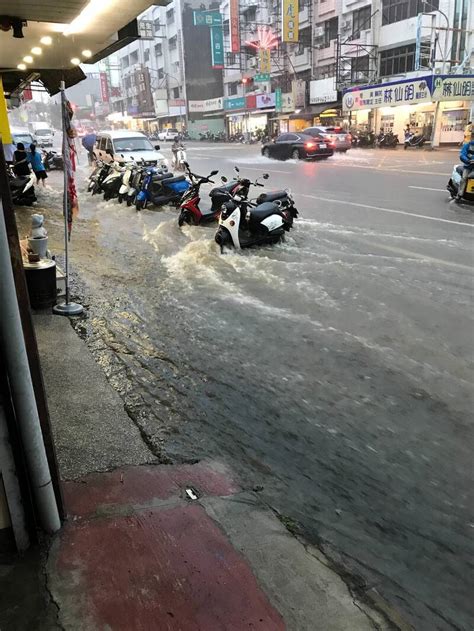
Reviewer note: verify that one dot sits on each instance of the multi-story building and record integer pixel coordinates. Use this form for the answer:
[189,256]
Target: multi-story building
[172,77]
[401,58]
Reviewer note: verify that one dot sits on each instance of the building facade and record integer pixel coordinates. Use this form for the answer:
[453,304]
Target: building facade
[222,67]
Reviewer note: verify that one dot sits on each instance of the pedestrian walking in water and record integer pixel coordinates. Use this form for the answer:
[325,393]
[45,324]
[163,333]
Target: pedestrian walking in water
[34,158]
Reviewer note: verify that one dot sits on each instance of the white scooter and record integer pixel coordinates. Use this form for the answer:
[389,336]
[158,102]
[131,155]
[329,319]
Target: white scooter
[241,226]
[179,159]
[112,183]
[126,190]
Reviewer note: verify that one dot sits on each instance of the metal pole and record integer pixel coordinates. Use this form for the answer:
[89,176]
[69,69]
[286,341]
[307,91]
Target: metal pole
[66,308]
[14,350]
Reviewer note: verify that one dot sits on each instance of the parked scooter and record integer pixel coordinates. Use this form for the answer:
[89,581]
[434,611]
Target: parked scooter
[126,191]
[52,160]
[111,184]
[414,140]
[242,226]
[160,188]
[22,189]
[387,140]
[455,181]
[190,212]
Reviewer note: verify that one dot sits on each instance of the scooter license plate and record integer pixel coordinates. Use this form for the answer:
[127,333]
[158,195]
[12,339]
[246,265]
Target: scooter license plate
[470,186]
[323,145]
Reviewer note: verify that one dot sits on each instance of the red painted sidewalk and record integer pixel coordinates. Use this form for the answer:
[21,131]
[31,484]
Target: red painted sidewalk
[136,555]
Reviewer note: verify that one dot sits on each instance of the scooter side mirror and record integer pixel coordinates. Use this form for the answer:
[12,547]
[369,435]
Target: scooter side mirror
[110,153]
[223,178]
[214,172]
[157,147]
[265,176]
[236,169]
[186,165]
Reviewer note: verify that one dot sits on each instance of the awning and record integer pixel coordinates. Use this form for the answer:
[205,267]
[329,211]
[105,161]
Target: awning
[314,110]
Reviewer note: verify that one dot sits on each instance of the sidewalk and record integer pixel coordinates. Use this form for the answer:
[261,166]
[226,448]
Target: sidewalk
[162,547]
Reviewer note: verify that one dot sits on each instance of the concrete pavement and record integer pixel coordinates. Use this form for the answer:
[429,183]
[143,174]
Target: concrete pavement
[159,547]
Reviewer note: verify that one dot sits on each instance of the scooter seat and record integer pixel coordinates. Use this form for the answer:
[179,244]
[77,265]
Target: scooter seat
[263,211]
[460,169]
[18,182]
[177,178]
[271,197]
[157,177]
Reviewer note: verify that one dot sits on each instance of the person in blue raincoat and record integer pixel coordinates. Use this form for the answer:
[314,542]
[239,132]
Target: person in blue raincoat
[467,158]
[88,143]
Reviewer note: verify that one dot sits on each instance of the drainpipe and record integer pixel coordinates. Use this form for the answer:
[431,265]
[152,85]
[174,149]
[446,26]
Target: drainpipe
[23,396]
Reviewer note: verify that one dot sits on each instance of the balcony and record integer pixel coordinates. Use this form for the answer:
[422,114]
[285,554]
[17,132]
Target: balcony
[304,17]
[326,54]
[300,61]
[325,9]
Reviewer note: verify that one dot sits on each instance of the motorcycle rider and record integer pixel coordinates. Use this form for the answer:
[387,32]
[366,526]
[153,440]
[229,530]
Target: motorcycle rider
[467,158]
[175,147]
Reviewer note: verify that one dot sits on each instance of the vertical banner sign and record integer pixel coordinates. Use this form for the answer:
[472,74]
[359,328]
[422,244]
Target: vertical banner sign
[265,66]
[104,87]
[5,135]
[290,20]
[234,27]
[217,46]
[278,100]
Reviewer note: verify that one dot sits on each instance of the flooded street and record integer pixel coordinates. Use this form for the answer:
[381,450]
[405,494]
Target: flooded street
[332,372]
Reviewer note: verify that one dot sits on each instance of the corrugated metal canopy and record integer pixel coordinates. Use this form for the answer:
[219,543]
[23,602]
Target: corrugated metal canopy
[96,22]
[63,11]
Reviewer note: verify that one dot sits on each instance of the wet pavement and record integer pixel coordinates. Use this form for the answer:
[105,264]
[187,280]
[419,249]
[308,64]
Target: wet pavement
[332,372]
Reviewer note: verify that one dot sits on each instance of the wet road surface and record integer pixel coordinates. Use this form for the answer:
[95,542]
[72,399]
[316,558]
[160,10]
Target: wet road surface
[333,371]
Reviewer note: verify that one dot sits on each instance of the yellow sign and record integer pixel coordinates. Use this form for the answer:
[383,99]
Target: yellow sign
[265,64]
[5,135]
[290,18]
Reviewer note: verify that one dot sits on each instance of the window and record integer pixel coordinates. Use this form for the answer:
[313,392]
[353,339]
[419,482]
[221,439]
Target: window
[173,43]
[233,88]
[330,31]
[125,62]
[176,93]
[161,73]
[158,49]
[397,10]
[230,59]
[134,57]
[226,27]
[146,55]
[360,69]
[102,143]
[170,16]
[398,60]
[304,40]
[283,138]
[157,25]
[250,15]
[326,72]
[108,145]
[361,20]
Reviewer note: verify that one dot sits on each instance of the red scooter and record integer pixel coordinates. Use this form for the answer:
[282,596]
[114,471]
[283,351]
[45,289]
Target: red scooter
[190,212]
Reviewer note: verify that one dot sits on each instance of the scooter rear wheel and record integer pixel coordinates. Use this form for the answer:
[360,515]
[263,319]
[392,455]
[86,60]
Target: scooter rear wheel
[139,204]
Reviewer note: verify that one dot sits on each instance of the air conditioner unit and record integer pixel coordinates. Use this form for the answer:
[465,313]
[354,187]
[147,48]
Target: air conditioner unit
[318,32]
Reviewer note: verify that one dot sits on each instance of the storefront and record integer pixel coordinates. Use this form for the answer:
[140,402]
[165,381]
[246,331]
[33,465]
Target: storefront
[206,117]
[444,101]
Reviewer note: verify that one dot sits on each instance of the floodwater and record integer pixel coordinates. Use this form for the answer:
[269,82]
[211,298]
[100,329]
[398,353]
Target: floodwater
[332,374]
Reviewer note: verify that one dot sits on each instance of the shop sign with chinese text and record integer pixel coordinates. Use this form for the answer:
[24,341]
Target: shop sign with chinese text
[236,103]
[207,105]
[290,20]
[234,26]
[453,88]
[265,100]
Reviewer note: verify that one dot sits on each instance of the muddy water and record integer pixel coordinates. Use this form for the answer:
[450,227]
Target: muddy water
[315,369]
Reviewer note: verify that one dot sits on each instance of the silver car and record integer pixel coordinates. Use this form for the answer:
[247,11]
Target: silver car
[336,137]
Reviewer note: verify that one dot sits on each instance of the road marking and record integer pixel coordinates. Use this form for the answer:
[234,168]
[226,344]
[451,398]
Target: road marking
[417,255]
[264,169]
[387,210]
[425,188]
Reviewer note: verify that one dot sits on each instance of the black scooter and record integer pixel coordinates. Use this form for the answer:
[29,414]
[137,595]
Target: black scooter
[22,189]
[52,160]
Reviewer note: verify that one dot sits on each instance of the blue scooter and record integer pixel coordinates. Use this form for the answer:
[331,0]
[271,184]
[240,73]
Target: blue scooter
[160,188]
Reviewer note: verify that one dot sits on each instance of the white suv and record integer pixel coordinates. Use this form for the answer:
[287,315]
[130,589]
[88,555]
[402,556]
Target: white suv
[123,145]
[168,134]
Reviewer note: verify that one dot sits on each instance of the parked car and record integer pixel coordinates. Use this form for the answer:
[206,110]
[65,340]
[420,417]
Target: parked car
[21,134]
[123,145]
[336,136]
[168,134]
[297,146]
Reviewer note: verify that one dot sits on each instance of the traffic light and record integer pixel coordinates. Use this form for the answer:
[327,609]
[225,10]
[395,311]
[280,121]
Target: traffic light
[247,81]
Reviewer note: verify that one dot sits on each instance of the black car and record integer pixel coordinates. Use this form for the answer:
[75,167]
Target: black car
[297,146]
